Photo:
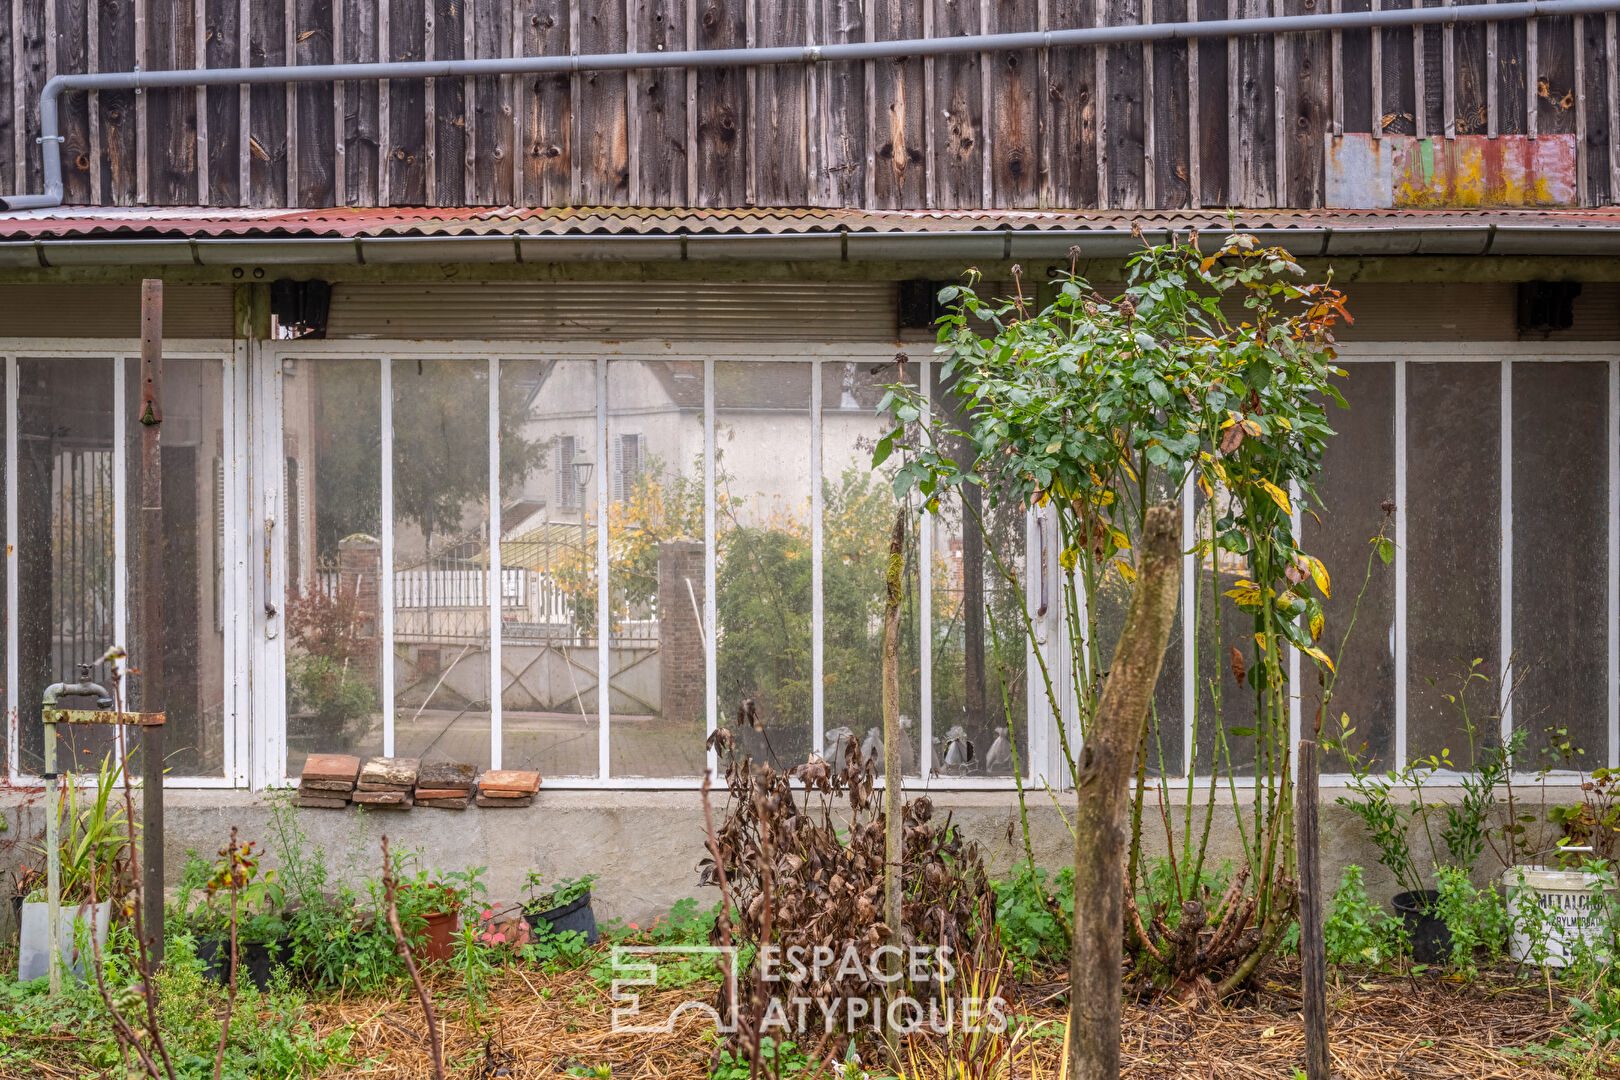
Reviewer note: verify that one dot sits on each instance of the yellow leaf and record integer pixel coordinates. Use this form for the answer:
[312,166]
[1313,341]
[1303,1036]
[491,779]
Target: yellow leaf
[1203,485]
[1320,656]
[1260,640]
[1316,626]
[1052,448]
[1120,539]
[1068,558]
[1278,496]
[1270,1032]
[1319,575]
[1126,571]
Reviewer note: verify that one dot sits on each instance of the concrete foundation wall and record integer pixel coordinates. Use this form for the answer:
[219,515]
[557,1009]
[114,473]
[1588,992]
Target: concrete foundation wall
[644,845]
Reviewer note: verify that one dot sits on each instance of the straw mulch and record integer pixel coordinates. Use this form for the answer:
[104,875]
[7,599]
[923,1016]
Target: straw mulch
[1383,1026]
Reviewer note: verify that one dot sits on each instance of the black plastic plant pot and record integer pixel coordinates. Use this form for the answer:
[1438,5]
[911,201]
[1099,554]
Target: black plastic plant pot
[256,959]
[575,916]
[1425,929]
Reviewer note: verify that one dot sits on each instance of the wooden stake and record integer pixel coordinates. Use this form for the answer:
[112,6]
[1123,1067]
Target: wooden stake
[1312,948]
[893,769]
[150,655]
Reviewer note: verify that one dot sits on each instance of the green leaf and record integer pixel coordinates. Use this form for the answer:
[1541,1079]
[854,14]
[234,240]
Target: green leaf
[1386,550]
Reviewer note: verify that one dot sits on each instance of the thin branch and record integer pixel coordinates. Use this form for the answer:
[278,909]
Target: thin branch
[410,963]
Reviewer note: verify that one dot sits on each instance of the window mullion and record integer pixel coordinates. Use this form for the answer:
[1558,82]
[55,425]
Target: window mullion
[817,547]
[13,743]
[1505,568]
[925,576]
[1614,553]
[492,586]
[386,579]
[711,675]
[604,692]
[1400,564]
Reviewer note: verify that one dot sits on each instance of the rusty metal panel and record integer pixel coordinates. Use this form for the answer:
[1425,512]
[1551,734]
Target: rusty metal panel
[1468,172]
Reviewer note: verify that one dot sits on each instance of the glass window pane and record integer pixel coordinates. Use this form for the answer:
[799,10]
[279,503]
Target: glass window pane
[192,476]
[858,513]
[1560,561]
[981,658]
[1358,475]
[332,446]
[658,686]
[65,563]
[441,565]
[549,717]
[1453,540]
[762,579]
[1223,702]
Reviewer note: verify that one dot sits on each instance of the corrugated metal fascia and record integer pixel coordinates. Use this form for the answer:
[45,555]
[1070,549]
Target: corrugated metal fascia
[112,311]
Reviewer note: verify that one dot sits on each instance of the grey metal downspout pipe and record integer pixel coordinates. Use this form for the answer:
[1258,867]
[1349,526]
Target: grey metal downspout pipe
[50,138]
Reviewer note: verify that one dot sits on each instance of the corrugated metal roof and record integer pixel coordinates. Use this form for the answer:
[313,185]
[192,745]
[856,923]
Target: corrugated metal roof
[70,222]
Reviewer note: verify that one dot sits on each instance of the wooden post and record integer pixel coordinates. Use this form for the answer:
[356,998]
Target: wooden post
[893,767]
[1312,948]
[151,648]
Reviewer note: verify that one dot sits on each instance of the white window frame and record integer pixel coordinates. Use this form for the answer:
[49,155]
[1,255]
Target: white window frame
[237,737]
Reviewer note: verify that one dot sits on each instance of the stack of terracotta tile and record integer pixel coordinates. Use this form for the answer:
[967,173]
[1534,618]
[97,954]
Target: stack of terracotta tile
[327,782]
[387,783]
[445,784]
[507,788]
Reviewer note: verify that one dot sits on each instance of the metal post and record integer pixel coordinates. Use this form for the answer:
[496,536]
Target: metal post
[53,857]
[151,651]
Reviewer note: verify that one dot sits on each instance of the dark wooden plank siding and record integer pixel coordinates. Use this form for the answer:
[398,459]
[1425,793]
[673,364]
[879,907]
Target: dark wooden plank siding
[1358,73]
[267,146]
[312,44]
[73,54]
[1014,111]
[1071,89]
[1555,87]
[959,98]
[1214,118]
[1510,74]
[172,160]
[1307,108]
[1596,134]
[840,117]
[115,109]
[360,138]
[450,108]
[603,168]
[1123,128]
[658,117]
[221,35]
[545,111]
[1170,125]
[722,108]
[780,130]
[1171,156]
[407,106]
[491,140]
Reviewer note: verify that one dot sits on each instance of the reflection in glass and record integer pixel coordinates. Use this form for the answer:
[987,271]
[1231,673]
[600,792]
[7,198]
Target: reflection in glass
[332,444]
[980,660]
[656,582]
[1358,476]
[441,537]
[549,711]
[763,556]
[65,552]
[192,473]
[1560,562]
[1454,549]
[857,515]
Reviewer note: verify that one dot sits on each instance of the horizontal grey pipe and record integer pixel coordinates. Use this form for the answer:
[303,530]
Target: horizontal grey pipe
[50,137]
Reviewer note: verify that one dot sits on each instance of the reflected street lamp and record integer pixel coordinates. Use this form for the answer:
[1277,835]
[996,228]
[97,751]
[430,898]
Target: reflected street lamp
[582,477]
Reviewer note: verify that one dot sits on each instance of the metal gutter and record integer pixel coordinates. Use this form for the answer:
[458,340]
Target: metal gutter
[990,245]
[50,138]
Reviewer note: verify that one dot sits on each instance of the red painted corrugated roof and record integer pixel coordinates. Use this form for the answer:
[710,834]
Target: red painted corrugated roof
[76,222]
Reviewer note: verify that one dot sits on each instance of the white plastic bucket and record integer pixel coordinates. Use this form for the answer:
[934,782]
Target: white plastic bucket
[34,957]
[1567,896]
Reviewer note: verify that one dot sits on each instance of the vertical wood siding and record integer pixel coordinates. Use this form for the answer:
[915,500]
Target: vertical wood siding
[1250,122]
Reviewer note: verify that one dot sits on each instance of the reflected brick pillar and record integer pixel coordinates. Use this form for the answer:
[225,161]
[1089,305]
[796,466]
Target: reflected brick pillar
[681,682]
[359,568]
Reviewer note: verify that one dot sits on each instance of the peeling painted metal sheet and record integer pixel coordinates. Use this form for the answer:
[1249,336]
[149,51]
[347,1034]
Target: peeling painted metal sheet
[1465,173]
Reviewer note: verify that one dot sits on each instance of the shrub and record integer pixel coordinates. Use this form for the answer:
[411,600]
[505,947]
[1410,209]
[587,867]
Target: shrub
[1357,931]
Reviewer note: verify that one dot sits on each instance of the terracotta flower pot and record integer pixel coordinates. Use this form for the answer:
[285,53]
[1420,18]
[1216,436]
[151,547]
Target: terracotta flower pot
[439,940]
